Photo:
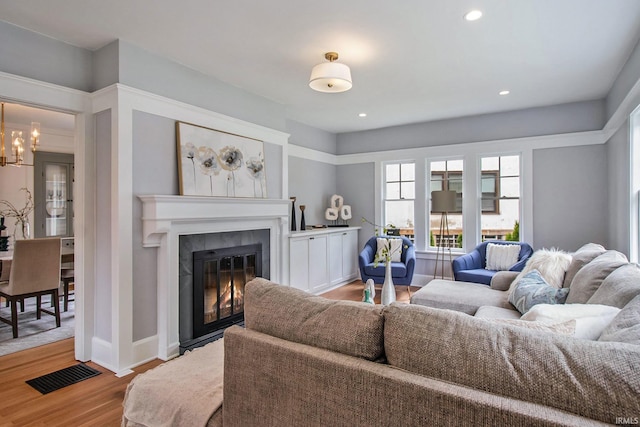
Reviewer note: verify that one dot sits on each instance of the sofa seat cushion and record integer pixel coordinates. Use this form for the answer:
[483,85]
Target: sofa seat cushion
[398,269]
[594,379]
[478,275]
[347,327]
[619,287]
[460,296]
[491,312]
[589,278]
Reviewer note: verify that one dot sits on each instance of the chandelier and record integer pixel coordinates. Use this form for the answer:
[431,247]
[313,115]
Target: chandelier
[17,143]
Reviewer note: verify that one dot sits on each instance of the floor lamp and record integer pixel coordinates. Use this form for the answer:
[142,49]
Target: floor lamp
[442,202]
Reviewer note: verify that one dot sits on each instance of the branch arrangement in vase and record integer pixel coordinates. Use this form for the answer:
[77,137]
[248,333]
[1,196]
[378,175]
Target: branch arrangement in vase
[21,215]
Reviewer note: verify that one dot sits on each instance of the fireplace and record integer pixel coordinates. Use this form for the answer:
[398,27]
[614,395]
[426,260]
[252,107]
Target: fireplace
[180,225]
[219,277]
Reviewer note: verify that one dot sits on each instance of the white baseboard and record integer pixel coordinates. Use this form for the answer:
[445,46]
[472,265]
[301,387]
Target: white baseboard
[101,353]
[145,350]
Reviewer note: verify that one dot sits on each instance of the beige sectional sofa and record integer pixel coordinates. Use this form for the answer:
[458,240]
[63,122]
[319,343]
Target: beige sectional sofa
[305,360]
[458,355]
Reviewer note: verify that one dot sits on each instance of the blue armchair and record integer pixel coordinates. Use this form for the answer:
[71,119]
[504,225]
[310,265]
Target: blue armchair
[401,272]
[471,267]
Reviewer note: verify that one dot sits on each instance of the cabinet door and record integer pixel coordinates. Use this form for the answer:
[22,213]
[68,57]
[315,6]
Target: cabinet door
[53,194]
[299,264]
[318,272]
[349,254]
[335,258]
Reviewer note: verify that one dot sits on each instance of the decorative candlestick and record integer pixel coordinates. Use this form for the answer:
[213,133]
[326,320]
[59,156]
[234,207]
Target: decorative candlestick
[293,213]
[303,225]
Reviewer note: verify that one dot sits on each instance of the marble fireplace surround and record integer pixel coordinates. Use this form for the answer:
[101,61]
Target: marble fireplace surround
[166,218]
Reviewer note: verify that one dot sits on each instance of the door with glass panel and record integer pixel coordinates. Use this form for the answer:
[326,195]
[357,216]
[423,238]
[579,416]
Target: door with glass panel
[53,194]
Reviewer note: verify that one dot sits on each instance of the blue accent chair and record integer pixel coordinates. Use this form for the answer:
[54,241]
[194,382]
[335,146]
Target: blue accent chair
[470,267]
[401,272]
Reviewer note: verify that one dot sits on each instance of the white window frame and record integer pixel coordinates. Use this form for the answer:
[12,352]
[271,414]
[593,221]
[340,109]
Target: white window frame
[427,205]
[383,212]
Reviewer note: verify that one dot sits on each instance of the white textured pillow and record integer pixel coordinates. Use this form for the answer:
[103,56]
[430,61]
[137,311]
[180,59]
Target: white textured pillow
[501,257]
[591,319]
[552,265]
[394,247]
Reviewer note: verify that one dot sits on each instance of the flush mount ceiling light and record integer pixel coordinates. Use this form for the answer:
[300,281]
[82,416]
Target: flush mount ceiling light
[330,76]
[504,92]
[473,15]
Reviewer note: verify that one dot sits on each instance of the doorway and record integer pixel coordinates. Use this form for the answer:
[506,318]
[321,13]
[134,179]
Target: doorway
[57,141]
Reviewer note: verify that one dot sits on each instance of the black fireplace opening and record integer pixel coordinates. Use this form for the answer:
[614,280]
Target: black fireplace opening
[219,278]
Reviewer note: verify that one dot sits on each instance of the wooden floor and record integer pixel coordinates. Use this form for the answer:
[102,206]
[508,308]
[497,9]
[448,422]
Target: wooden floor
[98,400]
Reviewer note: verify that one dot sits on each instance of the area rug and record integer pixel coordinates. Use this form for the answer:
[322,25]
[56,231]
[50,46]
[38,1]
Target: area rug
[63,378]
[33,332]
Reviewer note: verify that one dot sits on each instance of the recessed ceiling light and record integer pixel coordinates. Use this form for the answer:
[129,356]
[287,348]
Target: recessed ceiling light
[503,92]
[362,115]
[473,15]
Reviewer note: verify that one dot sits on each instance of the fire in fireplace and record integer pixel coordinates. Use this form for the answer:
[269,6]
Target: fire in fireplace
[219,277]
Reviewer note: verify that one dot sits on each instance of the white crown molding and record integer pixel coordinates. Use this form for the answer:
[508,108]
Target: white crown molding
[512,144]
[151,103]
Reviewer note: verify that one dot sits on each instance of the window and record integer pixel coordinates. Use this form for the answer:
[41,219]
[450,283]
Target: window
[399,195]
[447,175]
[500,184]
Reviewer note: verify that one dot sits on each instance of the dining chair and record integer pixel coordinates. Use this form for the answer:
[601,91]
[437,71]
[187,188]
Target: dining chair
[35,271]
[67,275]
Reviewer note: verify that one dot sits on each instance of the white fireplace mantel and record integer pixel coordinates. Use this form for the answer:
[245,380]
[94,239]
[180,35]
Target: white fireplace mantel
[166,218]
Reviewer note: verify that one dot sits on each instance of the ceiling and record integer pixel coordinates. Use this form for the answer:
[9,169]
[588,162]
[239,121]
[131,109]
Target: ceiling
[411,60]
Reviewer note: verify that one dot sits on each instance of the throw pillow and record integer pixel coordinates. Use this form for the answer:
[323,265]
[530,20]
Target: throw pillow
[501,257]
[390,246]
[587,281]
[550,263]
[567,327]
[625,327]
[532,289]
[591,319]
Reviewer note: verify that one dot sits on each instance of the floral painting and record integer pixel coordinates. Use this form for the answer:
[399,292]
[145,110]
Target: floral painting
[215,163]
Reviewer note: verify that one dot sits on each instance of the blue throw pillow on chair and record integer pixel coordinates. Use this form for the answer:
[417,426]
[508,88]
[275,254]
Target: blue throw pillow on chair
[532,289]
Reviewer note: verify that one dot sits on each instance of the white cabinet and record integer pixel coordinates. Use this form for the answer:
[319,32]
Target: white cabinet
[322,259]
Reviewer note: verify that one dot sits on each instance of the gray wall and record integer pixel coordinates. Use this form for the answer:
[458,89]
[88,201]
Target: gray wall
[575,117]
[152,73]
[626,79]
[312,183]
[28,54]
[309,137]
[356,184]
[106,65]
[104,279]
[155,171]
[618,149]
[570,197]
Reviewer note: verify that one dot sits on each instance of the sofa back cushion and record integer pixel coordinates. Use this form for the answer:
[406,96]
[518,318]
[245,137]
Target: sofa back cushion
[579,259]
[625,327]
[347,327]
[589,278]
[619,287]
[594,379]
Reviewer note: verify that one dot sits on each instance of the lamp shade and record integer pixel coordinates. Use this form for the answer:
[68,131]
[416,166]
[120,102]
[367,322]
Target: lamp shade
[330,77]
[443,201]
